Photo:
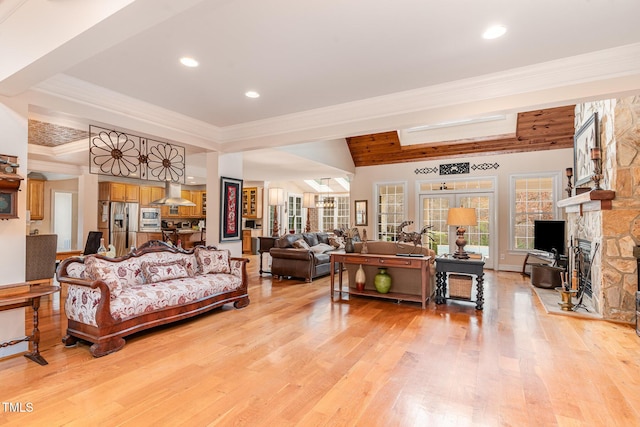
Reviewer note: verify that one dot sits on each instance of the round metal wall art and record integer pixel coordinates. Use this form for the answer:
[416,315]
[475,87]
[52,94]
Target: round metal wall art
[121,154]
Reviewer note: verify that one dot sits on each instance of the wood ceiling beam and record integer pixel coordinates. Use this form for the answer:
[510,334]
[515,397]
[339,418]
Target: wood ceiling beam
[539,130]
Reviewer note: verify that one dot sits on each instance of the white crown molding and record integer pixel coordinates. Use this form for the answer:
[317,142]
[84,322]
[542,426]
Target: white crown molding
[605,64]
[404,109]
[80,91]
[54,167]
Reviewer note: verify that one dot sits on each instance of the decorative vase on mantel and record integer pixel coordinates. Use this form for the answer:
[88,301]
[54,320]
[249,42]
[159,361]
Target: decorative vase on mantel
[382,281]
[360,279]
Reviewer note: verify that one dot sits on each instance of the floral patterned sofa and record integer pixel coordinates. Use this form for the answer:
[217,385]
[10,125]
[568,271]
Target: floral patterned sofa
[110,298]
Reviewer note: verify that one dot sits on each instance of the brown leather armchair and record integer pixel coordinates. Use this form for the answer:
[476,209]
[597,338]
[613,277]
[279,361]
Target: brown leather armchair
[307,264]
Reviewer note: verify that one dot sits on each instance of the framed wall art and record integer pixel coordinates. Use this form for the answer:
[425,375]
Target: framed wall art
[586,138]
[230,214]
[361,212]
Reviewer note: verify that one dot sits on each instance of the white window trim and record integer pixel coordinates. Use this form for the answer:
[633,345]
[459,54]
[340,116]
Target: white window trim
[376,188]
[557,191]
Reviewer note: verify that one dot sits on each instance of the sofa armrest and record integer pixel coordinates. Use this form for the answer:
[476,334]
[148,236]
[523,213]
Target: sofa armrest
[238,266]
[291,253]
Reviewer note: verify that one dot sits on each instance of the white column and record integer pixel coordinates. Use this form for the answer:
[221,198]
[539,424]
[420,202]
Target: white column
[87,206]
[219,165]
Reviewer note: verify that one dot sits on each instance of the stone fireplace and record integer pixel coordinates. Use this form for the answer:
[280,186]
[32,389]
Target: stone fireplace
[611,226]
[583,265]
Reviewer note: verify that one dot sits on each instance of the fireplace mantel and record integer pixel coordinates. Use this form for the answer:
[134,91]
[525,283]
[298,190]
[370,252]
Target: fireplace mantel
[594,200]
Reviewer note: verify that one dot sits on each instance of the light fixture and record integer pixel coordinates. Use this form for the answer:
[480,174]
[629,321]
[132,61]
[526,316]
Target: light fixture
[308,202]
[461,217]
[324,201]
[252,94]
[189,62]
[276,199]
[494,32]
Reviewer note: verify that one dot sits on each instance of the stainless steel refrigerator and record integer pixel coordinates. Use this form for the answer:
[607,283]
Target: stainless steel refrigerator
[123,226]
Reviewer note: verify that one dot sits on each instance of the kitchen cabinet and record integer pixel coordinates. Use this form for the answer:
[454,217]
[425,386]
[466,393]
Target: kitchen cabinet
[118,192]
[142,238]
[148,194]
[247,236]
[200,199]
[186,211]
[252,202]
[35,198]
[196,196]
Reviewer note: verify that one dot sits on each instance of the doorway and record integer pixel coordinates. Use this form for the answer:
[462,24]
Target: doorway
[434,209]
[65,220]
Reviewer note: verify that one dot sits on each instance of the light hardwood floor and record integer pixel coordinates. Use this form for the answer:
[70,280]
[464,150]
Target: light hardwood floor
[292,357]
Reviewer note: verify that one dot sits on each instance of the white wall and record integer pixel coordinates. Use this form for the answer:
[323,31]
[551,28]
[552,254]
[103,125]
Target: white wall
[13,122]
[363,187]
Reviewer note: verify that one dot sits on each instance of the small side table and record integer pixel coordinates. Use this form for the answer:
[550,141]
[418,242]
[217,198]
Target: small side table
[266,243]
[463,266]
[25,299]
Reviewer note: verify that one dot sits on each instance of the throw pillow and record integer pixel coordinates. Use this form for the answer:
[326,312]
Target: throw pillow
[336,242]
[301,244]
[98,269]
[213,260]
[321,248]
[155,272]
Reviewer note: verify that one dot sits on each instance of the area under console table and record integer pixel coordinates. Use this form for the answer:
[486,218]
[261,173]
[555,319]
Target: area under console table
[386,261]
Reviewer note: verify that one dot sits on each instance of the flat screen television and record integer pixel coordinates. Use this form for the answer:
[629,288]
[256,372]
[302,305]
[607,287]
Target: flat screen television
[549,235]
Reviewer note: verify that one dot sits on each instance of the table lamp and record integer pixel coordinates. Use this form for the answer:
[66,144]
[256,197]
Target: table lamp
[276,198]
[308,202]
[459,217]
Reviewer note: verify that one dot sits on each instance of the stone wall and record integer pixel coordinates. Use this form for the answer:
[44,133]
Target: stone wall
[614,232]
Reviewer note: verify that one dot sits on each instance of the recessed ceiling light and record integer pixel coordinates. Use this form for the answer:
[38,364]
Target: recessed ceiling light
[188,62]
[494,32]
[252,94]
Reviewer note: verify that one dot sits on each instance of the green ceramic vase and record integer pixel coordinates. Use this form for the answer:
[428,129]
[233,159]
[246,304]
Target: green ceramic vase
[382,281]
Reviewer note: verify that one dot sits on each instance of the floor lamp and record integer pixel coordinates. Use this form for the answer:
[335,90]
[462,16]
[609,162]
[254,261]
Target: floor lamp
[308,202]
[276,199]
[461,217]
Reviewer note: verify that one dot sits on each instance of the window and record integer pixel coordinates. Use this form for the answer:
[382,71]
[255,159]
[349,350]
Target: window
[295,213]
[390,210]
[532,198]
[336,215]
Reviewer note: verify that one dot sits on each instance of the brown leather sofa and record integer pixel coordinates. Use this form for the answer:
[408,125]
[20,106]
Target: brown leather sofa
[307,264]
[403,280]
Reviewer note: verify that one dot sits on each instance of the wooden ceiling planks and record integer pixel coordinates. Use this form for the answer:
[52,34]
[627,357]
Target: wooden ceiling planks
[538,130]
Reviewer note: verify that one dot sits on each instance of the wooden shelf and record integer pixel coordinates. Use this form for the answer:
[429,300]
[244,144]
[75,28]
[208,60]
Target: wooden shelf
[389,295]
[592,201]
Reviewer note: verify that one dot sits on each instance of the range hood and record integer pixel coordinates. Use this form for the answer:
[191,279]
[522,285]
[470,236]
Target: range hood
[172,196]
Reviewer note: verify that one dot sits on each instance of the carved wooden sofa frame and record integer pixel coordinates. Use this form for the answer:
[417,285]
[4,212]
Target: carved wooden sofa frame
[108,336]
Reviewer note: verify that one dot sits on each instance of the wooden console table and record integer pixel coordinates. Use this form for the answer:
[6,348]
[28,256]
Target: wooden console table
[463,266]
[25,299]
[387,261]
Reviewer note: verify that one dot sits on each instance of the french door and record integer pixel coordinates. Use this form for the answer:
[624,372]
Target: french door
[434,209]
